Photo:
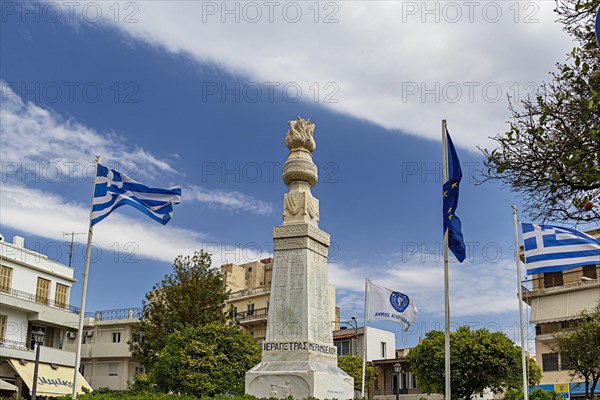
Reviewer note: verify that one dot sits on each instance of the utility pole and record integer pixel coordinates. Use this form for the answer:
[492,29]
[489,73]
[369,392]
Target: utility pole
[70,244]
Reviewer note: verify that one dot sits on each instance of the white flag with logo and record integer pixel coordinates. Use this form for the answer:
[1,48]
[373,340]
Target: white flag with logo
[386,304]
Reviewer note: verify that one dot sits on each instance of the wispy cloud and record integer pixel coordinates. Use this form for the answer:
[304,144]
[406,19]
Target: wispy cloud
[31,136]
[402,65]
[478,289]
[47,215]
[40,141]
[228,200]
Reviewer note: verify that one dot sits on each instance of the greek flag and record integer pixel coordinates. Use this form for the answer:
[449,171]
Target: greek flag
[551,248]
[113,190]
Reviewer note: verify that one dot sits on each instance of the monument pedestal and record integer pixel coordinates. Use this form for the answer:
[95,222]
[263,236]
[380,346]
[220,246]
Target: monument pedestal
[299,358]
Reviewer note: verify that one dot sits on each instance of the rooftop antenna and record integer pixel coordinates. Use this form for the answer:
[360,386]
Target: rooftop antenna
[72,234]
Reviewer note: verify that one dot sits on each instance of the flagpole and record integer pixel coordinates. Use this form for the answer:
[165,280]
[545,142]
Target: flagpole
[447,391]
[84,289]
[521,324]
[364,364]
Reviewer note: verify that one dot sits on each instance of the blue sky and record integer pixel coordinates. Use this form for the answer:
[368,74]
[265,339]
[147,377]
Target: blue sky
[182,93]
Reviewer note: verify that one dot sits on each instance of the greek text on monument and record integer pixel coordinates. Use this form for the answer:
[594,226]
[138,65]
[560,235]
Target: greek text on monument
[299,346]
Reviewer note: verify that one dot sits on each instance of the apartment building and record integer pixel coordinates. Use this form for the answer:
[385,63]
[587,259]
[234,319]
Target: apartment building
[250,289]
[34,296]
[105,357]
[556,299]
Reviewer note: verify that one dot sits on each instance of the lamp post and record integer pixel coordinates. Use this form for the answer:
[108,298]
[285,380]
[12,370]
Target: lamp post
[398,370]
[355,327]
[38,338]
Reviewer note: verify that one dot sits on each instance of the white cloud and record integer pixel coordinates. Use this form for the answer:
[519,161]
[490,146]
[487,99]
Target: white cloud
[47,215]
[228,200]
[476,289]
[460,59]
[42,140]
[39,141]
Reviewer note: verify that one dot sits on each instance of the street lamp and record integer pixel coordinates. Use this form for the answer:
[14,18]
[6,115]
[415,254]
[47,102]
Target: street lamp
[38,338]
[355,326]
[398,370]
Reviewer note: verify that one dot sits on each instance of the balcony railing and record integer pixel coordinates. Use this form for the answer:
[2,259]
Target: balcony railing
[39,300]
[250,292]
[12,344]
[112,315]
[258,313]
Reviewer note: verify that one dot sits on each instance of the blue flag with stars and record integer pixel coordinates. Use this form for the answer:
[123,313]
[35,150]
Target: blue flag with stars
[456,243]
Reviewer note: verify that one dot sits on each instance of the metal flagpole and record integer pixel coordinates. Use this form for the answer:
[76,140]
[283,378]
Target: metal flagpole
[521,324]
[84,289]
[364,365]
[447,390]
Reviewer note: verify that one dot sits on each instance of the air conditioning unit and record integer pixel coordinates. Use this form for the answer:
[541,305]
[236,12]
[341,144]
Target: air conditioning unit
[71,335]
[89,333]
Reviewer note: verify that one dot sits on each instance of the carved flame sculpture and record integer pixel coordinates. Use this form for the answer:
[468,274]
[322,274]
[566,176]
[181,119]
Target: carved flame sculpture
[300,135]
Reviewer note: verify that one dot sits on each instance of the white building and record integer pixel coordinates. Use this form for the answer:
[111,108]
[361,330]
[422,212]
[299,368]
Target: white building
[105,357]
[381,344]
[34,295]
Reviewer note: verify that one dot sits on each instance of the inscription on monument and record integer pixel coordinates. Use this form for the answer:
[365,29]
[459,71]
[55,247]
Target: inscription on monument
[299,346]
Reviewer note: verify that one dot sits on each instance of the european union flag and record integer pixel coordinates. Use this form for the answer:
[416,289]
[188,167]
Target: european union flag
[450,189]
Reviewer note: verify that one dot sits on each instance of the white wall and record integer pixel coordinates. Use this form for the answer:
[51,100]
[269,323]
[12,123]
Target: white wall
[374,338]
[28,266]
[16,324]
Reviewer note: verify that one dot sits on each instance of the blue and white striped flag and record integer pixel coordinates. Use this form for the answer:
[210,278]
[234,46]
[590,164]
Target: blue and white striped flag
[551,248]
[113,190]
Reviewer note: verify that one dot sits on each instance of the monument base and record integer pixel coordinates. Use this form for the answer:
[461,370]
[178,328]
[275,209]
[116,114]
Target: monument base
[299,379]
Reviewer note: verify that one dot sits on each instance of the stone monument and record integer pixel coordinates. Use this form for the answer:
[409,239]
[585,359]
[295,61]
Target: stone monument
[299,358]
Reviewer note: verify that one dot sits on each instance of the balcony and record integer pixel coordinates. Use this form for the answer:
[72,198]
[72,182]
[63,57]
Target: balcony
[115,315]
[39,300]
[250,292]
[40,308]
[50,355]
[252,316]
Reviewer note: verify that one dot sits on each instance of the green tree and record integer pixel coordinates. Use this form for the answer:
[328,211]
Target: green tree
[578,349]
[193,294]
[479,360]
[205,360]
[551,154]
[536,394]
[353,367]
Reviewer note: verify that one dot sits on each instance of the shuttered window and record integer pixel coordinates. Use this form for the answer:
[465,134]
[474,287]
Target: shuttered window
[42,292]
[5,278]
[60,298]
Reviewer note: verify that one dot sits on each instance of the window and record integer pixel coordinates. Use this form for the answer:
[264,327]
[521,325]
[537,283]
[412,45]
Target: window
[140,370]
[552,279]
[113,369]
[250,310]
[550,362]
[5,278]
[42,292]
[82,369]
[414,380]
[60,297]
[345,347]
[2,326]
[116,337]
[564,362]
[589,271]
[383,349]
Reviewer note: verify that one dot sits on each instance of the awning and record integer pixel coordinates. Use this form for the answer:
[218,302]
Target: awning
[51,382]
[8,387]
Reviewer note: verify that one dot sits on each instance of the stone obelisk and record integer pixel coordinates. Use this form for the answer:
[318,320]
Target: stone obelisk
[299,358]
